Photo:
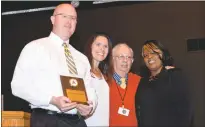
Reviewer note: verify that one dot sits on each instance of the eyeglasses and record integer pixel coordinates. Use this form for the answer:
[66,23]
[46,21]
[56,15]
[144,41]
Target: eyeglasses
[122,57]
[70,17]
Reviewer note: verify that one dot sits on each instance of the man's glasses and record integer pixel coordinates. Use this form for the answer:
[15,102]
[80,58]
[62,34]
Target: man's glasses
[122,57]
[70,17]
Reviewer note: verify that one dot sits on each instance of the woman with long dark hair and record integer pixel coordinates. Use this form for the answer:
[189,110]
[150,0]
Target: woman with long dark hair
[98,50]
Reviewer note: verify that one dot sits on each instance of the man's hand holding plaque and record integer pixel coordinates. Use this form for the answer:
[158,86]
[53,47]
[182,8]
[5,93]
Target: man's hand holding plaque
[63,103]
[85,110]
[74,89]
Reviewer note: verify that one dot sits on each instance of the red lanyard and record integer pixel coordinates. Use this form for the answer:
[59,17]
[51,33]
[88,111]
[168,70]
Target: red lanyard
[122,97]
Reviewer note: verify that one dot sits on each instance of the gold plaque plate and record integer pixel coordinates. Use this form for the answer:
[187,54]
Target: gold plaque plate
[74,89]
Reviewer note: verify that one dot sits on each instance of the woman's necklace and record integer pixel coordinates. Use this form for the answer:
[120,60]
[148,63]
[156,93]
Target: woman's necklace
[97,73]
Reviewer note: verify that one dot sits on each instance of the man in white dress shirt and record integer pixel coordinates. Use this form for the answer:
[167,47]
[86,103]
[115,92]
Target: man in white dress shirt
[36,77]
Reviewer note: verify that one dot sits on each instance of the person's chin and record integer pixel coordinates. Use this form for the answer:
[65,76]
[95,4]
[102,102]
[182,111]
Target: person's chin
[125,70]
[152,68]
[101,58]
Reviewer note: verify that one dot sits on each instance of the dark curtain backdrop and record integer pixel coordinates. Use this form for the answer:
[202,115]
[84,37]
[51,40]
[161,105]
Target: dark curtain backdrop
[170,22]
[17,31]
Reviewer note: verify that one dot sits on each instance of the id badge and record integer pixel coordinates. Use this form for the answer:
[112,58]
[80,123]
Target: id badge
[123,111]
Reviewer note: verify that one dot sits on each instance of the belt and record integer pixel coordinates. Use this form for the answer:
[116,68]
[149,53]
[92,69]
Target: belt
[49,112]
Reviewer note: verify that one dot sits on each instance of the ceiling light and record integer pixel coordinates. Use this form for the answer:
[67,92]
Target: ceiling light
[103,1]
[75,3]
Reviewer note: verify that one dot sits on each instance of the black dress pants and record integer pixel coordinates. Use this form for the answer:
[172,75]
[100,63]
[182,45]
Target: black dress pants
[43,118]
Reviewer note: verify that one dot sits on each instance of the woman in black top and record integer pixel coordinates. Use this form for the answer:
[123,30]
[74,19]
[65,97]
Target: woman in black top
[162,98]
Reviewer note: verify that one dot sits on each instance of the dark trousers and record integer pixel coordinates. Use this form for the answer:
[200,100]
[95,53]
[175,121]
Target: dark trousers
[44,119]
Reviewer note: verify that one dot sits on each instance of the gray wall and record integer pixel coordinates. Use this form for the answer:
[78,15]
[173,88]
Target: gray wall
[170,22]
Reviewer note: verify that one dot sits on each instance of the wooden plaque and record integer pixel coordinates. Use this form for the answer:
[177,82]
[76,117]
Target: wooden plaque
[74,89]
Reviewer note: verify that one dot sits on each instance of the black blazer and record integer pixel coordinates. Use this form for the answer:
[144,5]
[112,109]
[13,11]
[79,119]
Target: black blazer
[164,101]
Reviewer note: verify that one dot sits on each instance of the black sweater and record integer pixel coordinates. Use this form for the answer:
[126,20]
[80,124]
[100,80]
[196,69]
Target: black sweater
[163,102]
